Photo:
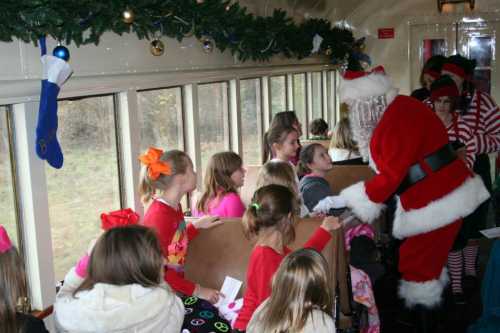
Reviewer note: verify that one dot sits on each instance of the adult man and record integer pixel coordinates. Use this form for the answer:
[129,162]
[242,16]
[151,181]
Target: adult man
[407,145]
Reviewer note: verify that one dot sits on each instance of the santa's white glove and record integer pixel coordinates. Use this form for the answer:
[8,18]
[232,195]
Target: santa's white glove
[331,202]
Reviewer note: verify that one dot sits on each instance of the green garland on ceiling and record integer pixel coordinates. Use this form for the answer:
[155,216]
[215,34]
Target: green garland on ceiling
[226,22]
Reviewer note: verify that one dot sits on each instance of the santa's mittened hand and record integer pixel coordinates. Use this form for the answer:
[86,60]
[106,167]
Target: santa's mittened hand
[331,202]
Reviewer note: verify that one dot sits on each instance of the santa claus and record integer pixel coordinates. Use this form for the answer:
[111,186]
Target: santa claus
[407,146]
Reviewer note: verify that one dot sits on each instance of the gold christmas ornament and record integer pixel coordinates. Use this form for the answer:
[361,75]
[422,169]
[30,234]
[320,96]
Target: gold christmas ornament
[128,16]
[156,47]
[328,51]
[200,1]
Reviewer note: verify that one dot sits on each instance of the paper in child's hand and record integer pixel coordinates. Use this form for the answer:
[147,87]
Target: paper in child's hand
[230,289]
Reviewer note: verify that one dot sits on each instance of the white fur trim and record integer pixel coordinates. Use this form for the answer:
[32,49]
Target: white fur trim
[375,84]
[457,204]
[426,293]
[55,70]
[357,200]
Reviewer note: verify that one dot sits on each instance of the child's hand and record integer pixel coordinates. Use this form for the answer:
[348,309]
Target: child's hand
[207,222]
[208,294]
[331,223]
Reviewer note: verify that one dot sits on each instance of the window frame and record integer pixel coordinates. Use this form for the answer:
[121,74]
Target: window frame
[14,178]
[125,108]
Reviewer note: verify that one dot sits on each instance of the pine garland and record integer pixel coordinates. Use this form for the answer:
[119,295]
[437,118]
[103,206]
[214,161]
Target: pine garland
[227,23]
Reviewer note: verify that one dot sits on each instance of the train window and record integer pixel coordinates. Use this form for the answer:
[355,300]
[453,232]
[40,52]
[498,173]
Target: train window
[213,124]
[160,112]
[278,94]
[299,98]
[250,115]
[7,195]
[317,101]
[88,183]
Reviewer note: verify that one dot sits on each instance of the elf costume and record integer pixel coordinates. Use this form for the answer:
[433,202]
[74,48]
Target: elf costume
[407,146]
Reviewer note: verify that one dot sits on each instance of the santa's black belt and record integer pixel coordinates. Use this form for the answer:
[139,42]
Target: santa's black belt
[442,157]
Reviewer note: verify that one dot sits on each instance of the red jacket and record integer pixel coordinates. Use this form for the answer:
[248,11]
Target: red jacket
[264,262]
[174,237]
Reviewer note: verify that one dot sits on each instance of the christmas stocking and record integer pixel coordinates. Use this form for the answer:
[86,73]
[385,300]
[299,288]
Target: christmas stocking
[55,72]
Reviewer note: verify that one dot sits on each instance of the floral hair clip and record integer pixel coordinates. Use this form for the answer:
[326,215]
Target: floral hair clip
[119,218]
[5,243]
[156,166]
[256,206]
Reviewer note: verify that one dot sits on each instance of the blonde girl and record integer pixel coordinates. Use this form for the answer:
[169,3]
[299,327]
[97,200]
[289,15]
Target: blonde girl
[224,176]
[14,305]
[165,178]
[342,145]
[123,290]
[282,173]
[270,220]
[301,299]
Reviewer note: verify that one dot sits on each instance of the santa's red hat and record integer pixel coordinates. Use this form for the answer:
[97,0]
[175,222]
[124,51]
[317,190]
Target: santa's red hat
[361,85]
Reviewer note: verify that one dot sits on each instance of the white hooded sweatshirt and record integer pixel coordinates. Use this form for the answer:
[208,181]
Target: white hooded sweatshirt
[117,309]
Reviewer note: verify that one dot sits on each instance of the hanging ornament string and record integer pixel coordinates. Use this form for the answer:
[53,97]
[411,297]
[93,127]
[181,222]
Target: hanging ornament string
[271,42]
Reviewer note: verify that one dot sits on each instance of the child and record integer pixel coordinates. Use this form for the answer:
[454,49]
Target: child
[165,179]
[14,292]
[281,173]
[313,165]
[319,129]
[314,189]
[281,143]
[301,298]
[270,218]
[288,119]
[122,290]
[224,175]
[342,146]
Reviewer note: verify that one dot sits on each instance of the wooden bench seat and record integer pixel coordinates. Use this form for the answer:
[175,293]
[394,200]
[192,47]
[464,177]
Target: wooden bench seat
[225,251]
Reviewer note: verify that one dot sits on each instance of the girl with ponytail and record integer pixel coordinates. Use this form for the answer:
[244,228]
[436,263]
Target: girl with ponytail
[270,220]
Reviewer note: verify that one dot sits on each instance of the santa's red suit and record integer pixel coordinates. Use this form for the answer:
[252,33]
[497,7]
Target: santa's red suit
[408,135]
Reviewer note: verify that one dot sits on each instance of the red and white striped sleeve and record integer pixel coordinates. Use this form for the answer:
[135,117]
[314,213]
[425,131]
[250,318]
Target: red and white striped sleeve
[487,135]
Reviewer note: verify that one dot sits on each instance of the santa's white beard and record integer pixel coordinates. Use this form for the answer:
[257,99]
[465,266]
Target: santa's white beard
[364,115]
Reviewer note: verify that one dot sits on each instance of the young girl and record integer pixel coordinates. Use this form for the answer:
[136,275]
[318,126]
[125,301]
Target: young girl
[319,129]
[342,145]
[301,298]
[282,173]
[14,292]
[224,175]
[481,113]
[270,218]
[313,165]
[314,189]
[165,179]
[122,290]
[444,97]
[288,119]
[280,143]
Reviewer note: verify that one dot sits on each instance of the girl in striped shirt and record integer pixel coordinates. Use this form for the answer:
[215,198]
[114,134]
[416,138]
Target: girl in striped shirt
[444,97]
[482,115]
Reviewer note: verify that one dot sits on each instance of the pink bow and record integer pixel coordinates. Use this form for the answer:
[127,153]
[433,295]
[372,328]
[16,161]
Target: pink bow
[5,243]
